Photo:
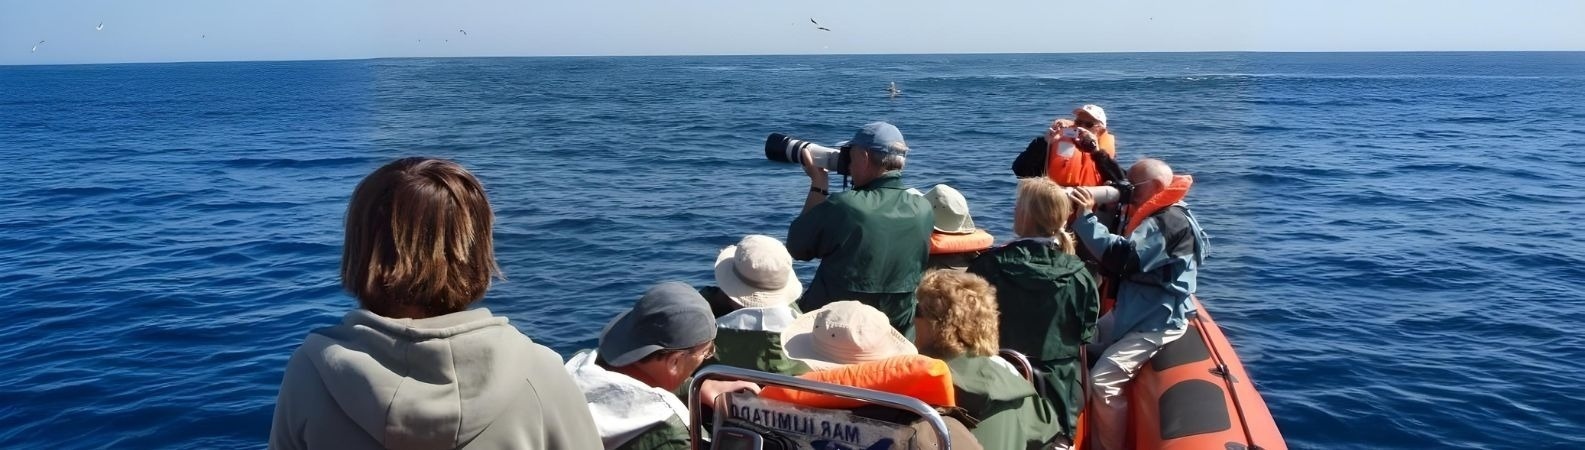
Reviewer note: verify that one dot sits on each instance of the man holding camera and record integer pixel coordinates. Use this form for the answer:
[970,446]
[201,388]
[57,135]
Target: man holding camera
[872,240]
[1066,152]
[1155,261]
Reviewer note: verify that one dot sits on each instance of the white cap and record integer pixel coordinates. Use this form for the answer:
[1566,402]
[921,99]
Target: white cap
[1094,111]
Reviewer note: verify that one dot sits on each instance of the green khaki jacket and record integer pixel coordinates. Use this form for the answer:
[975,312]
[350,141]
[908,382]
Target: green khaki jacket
[1049,304]
[1011,415]
[872,242]
[750,338]
[668,435]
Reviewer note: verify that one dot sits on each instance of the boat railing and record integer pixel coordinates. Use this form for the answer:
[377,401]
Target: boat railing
[865,396]
[1020,362]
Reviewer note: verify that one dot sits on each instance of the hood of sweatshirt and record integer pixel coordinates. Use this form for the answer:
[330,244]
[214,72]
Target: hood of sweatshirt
[434,383]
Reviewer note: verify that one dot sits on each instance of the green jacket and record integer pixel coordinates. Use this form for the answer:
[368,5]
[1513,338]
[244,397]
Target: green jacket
[872,242]
[1011,415]
[668,435]
[1049,304]
[750,338]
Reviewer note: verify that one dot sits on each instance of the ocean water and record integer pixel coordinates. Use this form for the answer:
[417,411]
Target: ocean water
[1397,253]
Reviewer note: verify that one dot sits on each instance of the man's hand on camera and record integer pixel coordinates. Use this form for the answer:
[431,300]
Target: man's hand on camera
[818,177]
[1084,134]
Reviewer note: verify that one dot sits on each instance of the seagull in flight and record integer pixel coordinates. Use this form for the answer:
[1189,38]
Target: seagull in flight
[464,32]
[36,46]
[817,25]
[101,27]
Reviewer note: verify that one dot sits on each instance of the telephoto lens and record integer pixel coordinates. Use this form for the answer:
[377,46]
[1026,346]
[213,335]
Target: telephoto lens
[783,148]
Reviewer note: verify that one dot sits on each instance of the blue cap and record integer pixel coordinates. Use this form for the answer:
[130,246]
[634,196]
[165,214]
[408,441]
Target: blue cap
[670,316]
[879,137]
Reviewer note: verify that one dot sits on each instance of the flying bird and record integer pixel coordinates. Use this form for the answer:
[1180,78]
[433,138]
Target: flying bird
[464,32]
[822,28]
[36,46]
[812,20]
[101,27]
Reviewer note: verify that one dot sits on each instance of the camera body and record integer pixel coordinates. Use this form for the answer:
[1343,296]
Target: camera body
[783,148]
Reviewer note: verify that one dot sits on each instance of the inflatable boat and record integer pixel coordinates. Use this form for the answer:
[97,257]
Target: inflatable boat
[1194,394]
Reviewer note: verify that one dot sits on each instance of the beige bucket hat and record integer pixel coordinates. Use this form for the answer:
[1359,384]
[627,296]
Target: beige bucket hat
[951,210]
[841,333]
[757,272]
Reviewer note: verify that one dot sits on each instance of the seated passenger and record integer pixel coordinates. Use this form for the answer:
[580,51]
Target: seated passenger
[845,332]
[1156,260]
[956,322]
[1047,299]
[754,302]
[413,367]
[645,355]
[1064,153]
[954,241]
[849,332]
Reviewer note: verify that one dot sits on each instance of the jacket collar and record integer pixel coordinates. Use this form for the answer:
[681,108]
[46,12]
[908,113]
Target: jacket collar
[1174,193]
[773,319]
[889,180]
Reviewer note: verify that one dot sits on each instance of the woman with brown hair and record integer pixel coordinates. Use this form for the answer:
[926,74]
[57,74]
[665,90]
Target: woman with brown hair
[1046,296]
[957,322]
[413,367]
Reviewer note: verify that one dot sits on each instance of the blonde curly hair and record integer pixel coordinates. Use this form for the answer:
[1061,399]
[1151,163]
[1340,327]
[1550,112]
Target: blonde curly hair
[962,309]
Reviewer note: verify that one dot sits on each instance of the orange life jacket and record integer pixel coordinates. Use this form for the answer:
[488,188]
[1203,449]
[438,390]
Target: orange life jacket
[1175,192]
[946,244]
[918,376]
[1079,169]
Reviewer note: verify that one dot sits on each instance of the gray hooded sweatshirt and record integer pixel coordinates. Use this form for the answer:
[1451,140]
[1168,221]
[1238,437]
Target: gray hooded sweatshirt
[462,380]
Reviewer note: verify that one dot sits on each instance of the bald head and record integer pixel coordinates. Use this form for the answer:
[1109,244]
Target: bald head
[1149,176]
[1149,169]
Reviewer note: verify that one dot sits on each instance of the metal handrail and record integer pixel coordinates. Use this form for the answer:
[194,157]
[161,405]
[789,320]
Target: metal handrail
[728,373]
[1019,361]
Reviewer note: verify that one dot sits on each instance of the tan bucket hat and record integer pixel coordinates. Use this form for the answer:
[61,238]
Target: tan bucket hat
[757,272]
[951,210]
[846,332]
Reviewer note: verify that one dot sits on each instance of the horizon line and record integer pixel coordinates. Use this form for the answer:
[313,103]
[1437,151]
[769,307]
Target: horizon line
[732,55]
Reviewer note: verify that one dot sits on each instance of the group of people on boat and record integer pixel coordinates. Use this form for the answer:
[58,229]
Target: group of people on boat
[906,283]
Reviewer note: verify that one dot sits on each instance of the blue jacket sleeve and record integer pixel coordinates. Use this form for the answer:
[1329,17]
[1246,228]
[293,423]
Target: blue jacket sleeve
[1141,252]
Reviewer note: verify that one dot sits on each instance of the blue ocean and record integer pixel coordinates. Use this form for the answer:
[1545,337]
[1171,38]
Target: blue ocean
[1397,252]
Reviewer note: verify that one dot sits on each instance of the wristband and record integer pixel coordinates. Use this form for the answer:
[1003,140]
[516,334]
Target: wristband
[818,190]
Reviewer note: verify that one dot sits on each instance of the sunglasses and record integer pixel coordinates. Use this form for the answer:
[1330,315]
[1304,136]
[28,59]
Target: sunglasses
[1084,123]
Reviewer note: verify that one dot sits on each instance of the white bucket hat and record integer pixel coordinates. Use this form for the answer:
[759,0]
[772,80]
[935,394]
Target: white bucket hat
[846,332]
[757,272]
[951,210]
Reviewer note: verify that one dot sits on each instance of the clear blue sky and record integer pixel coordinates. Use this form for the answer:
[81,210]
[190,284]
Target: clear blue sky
[207,30]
